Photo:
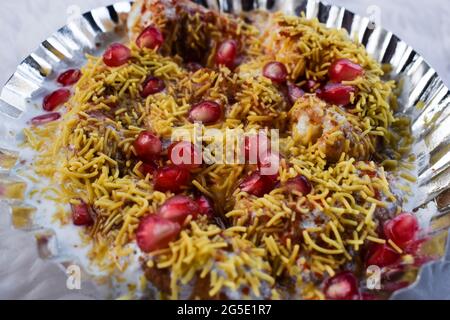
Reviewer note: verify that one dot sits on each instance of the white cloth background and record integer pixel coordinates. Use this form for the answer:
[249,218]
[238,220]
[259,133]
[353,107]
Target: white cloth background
[423,24]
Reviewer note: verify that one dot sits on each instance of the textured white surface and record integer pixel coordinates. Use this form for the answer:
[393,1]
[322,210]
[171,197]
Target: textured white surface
[422,24]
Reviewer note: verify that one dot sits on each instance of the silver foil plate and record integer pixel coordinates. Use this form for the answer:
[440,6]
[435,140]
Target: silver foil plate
[24,274]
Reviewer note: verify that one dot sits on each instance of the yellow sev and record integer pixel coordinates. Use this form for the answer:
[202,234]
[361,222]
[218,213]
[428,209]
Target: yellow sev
[223,257]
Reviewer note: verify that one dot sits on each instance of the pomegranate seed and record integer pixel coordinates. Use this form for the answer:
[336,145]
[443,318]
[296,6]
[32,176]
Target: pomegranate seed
[151,38]
[193,66]
[342,286]
[344,70]
[45,118]
[152,85]
[147,145]
[402,229]
[205,205]
[69,77]
[382,255]
[257,184]
[226,53]
[294,92]
[171,178]
[256,146]
[336,93]
[147,168]
[207,112]
[275,71]
[184,154]
[55,99]
[269,166]
[310,85]
[300,183]
[81,215]
[177,209]
[116,55]
[155,233]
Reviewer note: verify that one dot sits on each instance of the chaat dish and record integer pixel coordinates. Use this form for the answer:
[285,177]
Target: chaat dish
[307,100]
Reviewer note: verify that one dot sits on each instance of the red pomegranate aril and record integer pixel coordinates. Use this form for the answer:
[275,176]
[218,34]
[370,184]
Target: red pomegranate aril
[251,146]
[300,183]
[147,145]
[205,205]
[336,93]
[171,178]
[69,77]
[342,286]
[116,55]
[402,229]
[269,166]
[55,99]
[294,92]
[382,255]
[413,247]
[257,184]
[207,112]
[226,53]
[184,154]
[178,208]
[81,214]
[45,118]
[152,85]
[344,70]
[255,146]
[151,38]
[154,233]
[147,168]
[275,71]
